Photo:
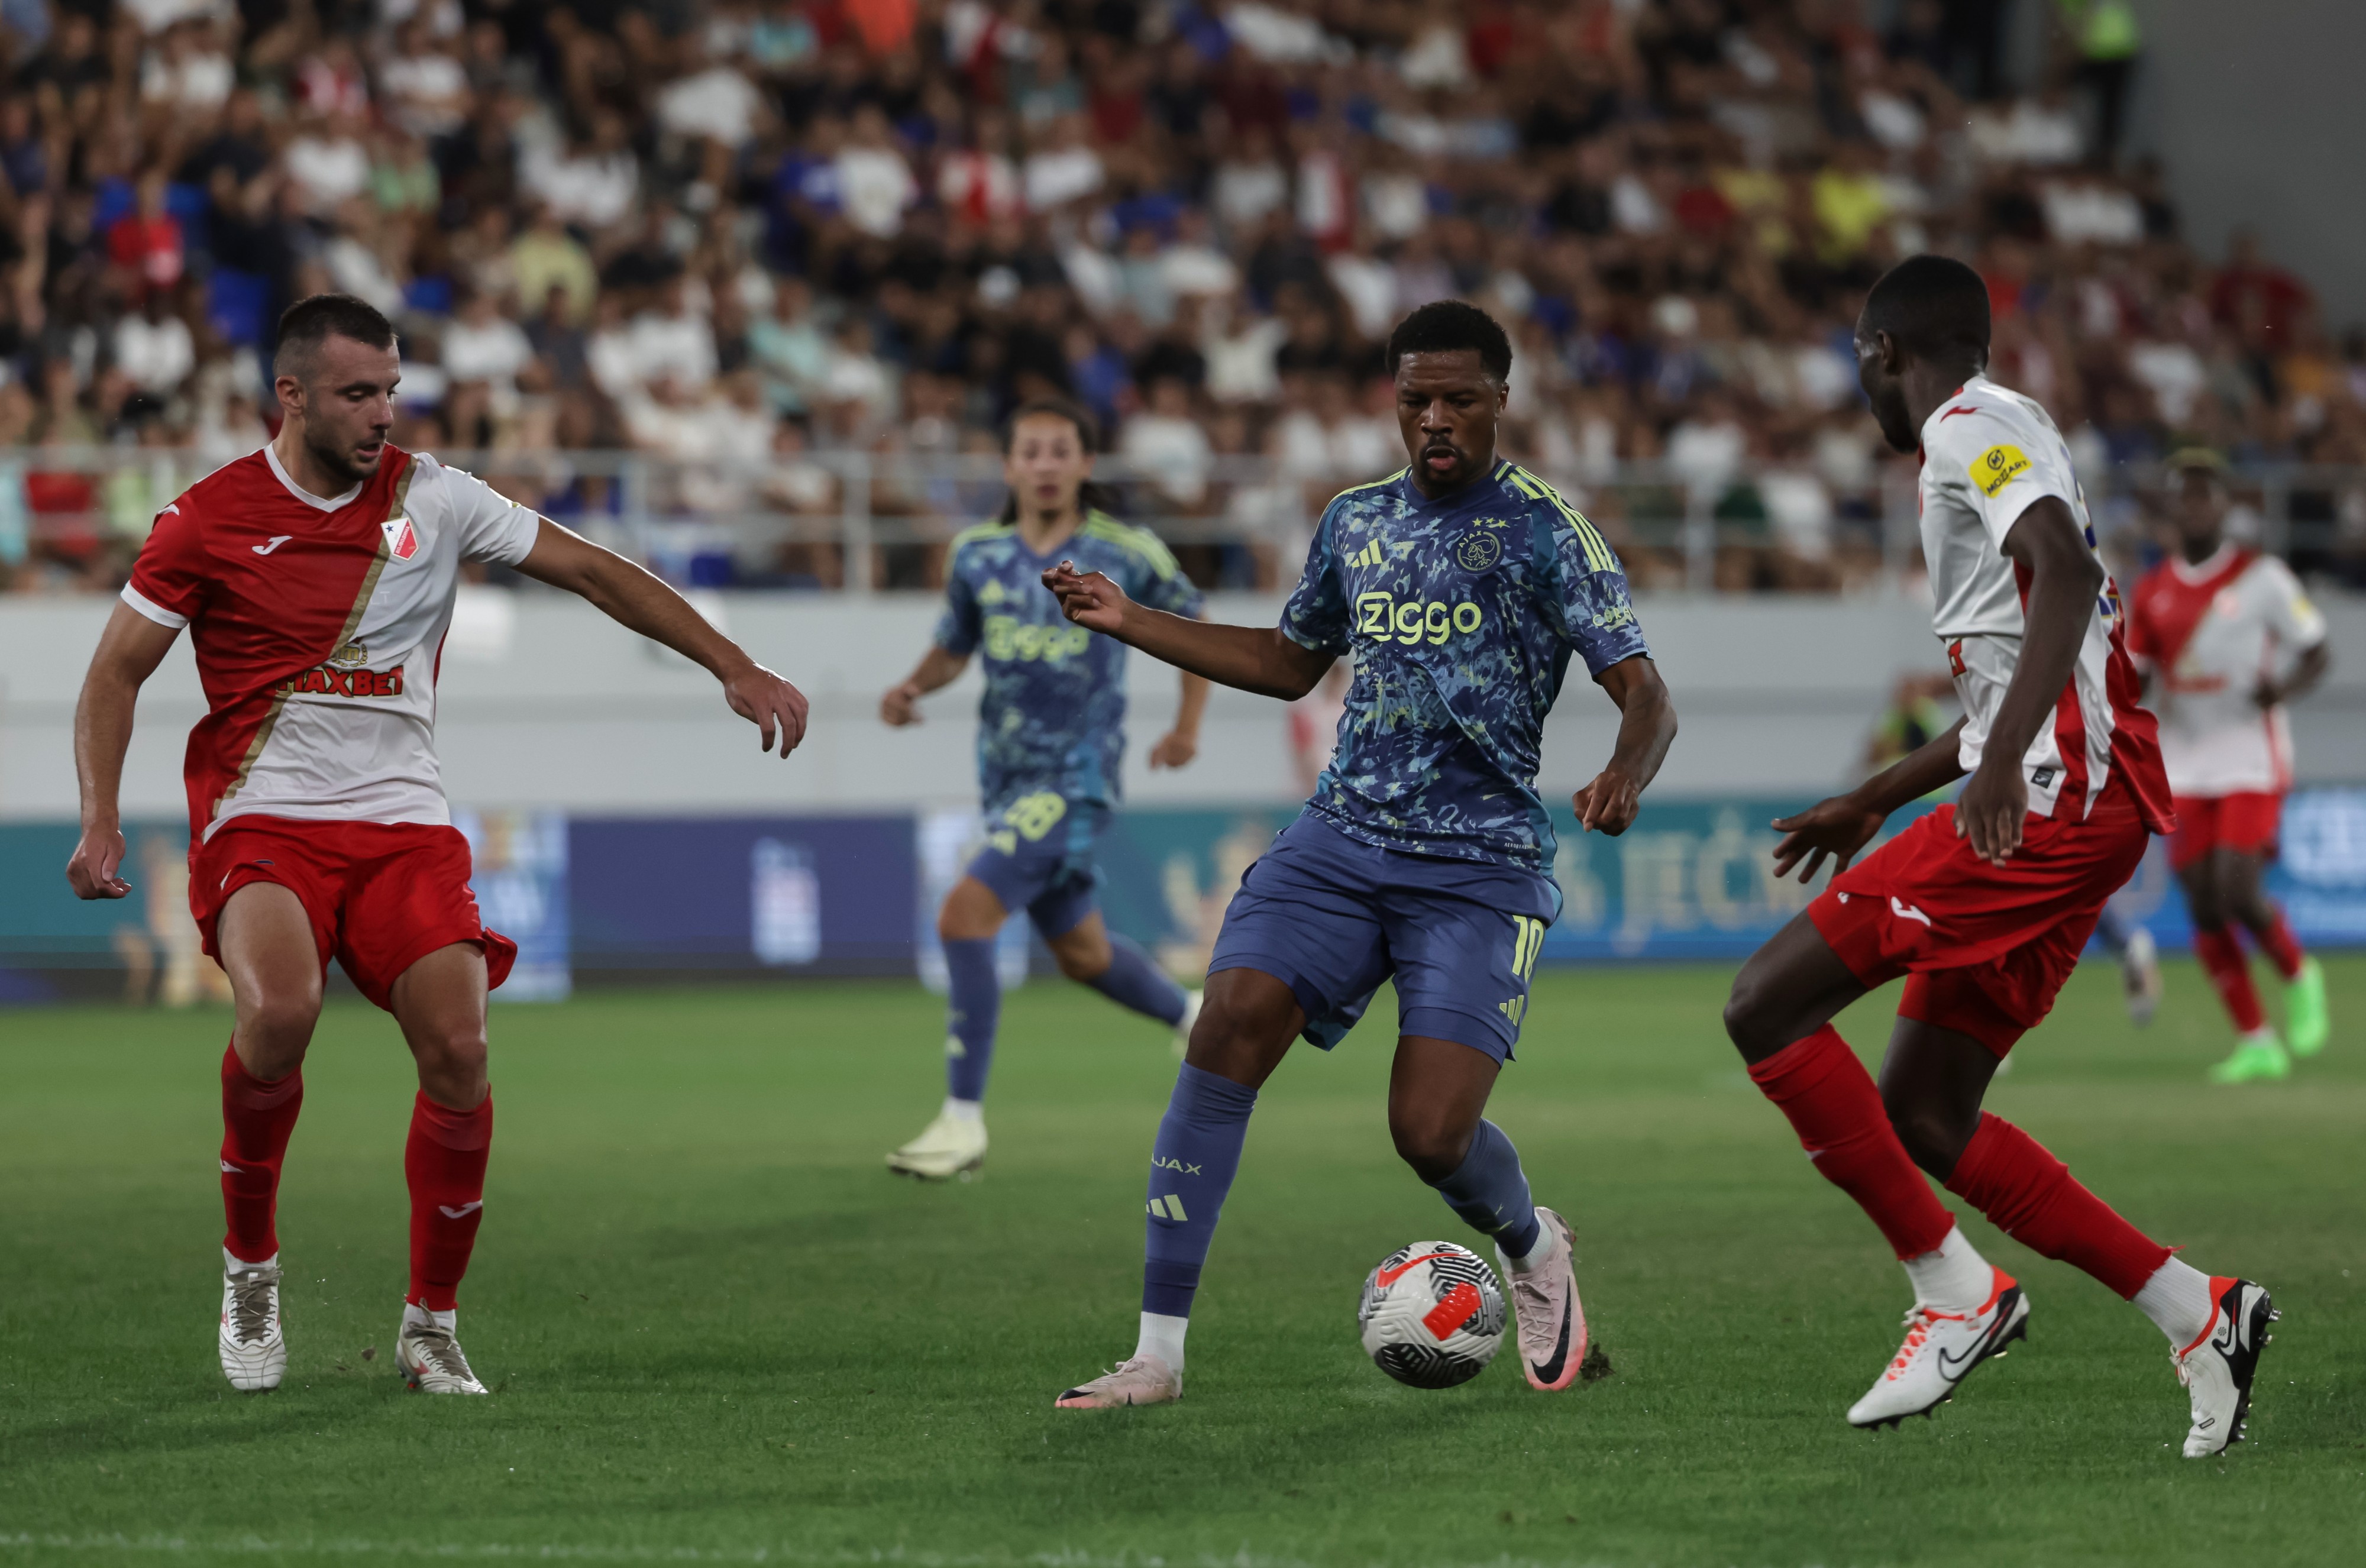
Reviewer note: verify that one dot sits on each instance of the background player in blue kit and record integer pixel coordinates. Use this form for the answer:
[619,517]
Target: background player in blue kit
[1462,585]
[1051,736]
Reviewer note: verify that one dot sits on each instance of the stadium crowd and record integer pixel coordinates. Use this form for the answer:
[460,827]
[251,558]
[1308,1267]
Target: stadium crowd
[739,233]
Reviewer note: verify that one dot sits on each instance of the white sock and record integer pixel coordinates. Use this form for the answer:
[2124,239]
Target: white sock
[965,1109]
[1538,1253]
[449,1322]
[1953,1276]
[1162,1337]
[238,1265]
[2177,1299]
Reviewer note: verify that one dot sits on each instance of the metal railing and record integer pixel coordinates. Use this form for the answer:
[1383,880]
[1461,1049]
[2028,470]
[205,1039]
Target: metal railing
[860,521]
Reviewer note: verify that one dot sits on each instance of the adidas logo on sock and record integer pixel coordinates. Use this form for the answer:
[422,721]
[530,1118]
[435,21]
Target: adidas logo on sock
[1167,1208]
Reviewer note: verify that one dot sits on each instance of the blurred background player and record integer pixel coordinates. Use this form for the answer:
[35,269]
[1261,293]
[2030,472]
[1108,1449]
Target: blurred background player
[317,579]
[2226,639]
[1983,905]
[1050,738]
[1463,586]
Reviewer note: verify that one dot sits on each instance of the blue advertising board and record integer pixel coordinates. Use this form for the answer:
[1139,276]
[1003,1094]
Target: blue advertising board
[748,894]
[621,897]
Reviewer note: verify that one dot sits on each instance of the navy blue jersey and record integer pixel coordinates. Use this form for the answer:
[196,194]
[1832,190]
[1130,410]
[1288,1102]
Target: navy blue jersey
[1053,714]
[1461,613]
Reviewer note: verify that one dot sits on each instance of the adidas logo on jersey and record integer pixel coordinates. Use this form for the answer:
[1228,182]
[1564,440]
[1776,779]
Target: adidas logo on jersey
[1368,556]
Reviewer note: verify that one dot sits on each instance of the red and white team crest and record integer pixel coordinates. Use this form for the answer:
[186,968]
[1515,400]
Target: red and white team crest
[401,542]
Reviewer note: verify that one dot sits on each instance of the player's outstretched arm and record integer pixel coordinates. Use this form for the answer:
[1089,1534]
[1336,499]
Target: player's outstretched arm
[900,704]
[2047,543]
[129,651]
[1844,824]
[1250,659]
[1646,726]
[632,598]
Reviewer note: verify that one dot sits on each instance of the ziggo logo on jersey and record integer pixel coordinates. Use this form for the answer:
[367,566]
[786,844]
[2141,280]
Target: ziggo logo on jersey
[1006,637]
[1381,617]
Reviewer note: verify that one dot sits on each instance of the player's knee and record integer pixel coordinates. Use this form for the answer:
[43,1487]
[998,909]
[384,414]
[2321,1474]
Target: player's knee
[450,1053]
[274,1031]
[1082,961]
[1430,1140]
[1751,1020]
[1932,1136]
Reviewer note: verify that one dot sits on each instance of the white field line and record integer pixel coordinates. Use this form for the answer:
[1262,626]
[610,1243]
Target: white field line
[32,1544]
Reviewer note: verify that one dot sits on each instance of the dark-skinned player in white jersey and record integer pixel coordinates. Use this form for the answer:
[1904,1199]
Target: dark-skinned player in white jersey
[1983,906]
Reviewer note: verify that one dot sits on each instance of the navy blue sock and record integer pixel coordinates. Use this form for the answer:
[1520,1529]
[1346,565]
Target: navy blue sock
[1491,1193]
[1192,1168]
[1131,980]
[974,1008]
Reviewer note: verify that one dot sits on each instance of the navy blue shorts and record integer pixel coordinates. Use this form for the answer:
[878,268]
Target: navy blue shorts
[1331,918]
[1039,857]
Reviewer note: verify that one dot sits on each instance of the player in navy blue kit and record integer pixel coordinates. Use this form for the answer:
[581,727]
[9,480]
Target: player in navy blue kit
[1051,736]
[1462,586]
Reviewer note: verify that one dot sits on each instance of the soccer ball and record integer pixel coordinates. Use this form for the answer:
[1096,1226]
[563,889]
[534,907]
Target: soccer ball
[1432,1314]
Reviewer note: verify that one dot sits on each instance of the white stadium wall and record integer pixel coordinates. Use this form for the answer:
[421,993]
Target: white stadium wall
[545,704]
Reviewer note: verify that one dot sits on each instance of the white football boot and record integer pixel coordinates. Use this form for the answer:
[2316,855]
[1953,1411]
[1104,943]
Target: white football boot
[430,1355]
[2217,1369]
[1191,1000]
[1141,1380]
[949,1146]
[1544,1300]
[1941,1349]
[254,1346]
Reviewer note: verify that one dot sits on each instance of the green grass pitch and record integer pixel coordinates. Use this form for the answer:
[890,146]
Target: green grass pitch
[719,1330]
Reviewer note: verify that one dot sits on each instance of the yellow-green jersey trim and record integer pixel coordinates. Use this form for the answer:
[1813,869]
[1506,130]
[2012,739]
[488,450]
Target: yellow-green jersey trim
[1598,555]
[1139,541]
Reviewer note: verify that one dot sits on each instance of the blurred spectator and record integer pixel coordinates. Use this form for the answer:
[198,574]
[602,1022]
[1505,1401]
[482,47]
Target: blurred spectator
[761,237]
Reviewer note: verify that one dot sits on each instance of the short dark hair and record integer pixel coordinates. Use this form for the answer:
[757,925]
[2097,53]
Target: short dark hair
[316,318]
[1088,429]
[1446,326]
[1933,306]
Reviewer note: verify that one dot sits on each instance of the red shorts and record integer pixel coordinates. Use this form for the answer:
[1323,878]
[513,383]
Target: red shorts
[2245,823]
[381,895]
[1985,948]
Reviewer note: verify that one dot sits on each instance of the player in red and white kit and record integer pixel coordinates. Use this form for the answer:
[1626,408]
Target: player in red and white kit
[2227,637]
[1982,906]
[317,579]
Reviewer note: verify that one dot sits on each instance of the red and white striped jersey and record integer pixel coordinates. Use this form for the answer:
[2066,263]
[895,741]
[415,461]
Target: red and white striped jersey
[2210,633]
[319,626]
[1988,453]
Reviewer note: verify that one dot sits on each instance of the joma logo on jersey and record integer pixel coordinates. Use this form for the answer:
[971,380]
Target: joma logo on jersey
[1008,636]
[1379,615]
[329,682]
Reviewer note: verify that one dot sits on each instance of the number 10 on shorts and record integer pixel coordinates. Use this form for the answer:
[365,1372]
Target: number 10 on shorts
[1528,942]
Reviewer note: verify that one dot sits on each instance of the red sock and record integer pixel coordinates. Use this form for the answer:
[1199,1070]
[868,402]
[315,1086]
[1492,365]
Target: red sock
[1823,1089]
[2008,1176]
[2222,959]
[2282,947]
[256,1119]
[444,1164]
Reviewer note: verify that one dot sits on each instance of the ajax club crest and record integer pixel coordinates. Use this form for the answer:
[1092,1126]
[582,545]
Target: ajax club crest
[1477,552]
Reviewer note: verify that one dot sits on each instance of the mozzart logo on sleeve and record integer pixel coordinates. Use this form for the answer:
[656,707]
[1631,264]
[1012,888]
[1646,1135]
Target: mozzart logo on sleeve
[1998,467]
